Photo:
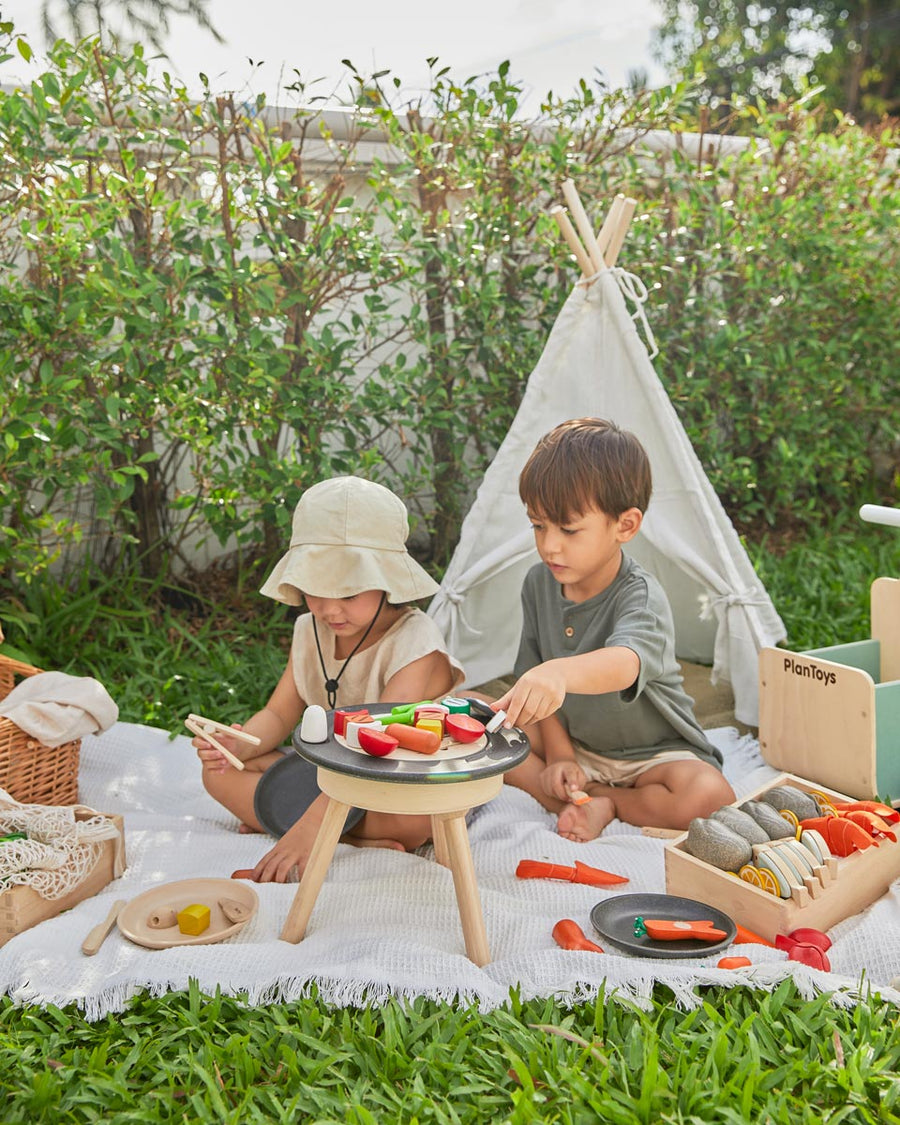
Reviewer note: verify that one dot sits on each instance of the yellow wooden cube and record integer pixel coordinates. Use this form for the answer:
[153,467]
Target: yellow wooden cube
[433,723]
[194,919]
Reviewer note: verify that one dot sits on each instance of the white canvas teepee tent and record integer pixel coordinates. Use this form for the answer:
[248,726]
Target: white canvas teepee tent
[595,364]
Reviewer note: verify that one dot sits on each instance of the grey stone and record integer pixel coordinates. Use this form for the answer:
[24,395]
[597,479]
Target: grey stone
[743,824]
[769,820]
[717,844]
[789,797]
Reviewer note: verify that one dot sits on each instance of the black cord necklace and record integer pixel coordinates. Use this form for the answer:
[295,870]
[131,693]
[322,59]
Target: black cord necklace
[331,686]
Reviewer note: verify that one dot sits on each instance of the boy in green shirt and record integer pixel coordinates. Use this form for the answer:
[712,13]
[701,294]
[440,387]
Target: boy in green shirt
[599,690]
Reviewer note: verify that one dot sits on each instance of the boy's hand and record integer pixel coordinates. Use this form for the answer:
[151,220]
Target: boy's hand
[560,778]
[534,696]
[213,759]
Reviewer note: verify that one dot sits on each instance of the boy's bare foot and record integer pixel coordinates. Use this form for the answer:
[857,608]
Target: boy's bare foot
[362,842]
[585,822]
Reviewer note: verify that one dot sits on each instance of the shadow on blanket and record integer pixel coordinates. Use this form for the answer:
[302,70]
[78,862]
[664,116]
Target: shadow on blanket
[386,923]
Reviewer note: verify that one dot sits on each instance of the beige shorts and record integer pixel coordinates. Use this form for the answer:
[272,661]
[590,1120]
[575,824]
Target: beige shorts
[624,771]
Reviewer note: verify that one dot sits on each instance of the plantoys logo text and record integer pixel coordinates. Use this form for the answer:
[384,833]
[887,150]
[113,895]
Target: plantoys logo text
[809,671]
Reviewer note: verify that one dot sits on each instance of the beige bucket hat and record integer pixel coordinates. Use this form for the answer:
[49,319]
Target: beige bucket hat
[348,535]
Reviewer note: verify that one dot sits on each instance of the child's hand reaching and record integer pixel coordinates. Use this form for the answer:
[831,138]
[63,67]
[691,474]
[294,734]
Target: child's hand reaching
[560,779]
[534,696]
[213,759]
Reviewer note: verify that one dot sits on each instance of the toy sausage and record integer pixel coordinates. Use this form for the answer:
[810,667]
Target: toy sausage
[414,738]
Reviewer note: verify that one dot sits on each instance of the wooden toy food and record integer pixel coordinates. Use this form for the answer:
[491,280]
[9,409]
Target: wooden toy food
[193,919]
[434,723]
[233,910]
[681,929]
[341,718]
[314,725]
[378,743]
[414,738]
[580,873]
[162,919]
[463,728]
[569,935]
[733,962]
[717,844]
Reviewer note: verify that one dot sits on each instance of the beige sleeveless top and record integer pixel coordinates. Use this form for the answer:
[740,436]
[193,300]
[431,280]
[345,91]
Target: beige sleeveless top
[412,636]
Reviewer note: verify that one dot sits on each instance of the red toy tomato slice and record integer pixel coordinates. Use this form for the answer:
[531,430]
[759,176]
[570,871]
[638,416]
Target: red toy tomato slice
[376,742]
[463,728]
[809,955]
[807,936]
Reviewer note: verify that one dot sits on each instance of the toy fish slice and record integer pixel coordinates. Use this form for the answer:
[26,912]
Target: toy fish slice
[679,929]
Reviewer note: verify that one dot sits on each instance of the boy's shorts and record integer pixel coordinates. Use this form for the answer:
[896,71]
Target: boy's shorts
[623,772]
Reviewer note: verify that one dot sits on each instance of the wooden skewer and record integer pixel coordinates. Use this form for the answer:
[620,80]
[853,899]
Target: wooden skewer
[570,235]
[205,728]
[582,223]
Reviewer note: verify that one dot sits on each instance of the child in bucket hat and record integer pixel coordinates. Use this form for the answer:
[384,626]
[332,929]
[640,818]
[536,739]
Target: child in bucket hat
[360,642]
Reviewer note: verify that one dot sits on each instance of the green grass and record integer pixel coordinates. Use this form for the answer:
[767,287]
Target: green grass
[743,1056]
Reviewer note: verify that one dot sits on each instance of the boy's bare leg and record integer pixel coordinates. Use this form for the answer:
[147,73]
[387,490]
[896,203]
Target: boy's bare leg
[235,788]
[666,796]
[592,817]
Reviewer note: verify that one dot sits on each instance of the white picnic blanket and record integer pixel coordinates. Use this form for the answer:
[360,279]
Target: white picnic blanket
[386,923]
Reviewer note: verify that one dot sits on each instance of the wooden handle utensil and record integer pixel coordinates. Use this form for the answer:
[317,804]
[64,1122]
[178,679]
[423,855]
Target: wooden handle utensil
[99,933]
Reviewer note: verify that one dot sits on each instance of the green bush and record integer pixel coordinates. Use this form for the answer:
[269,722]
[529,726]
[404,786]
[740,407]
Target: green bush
[202,313]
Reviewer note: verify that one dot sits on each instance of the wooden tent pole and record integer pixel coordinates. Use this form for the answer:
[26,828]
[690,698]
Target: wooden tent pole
[626,212]
[610,224]
[583,224]
[571,237]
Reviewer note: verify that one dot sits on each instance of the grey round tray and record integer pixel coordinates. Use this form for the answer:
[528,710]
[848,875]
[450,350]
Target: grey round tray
[504,749]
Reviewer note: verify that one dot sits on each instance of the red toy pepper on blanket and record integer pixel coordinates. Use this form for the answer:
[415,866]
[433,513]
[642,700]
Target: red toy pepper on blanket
[580,873]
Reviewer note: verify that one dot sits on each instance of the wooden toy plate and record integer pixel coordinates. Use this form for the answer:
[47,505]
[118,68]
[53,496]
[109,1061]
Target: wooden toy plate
[613,919]
[448,752]
[132,921]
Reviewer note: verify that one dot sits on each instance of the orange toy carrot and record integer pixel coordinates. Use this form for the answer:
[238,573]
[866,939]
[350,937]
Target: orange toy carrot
[679,929]
[580,873]
[745,937]
[569,935]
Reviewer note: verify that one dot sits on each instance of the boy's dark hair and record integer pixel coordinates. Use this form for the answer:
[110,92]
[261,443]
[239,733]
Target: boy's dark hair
[582,464]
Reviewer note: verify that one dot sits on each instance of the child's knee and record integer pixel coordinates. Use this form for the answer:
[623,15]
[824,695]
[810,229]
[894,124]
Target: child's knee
[710,792]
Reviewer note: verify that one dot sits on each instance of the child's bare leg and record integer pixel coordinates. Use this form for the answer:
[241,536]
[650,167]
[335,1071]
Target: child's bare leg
[389,830]
[235,788]
[666,796]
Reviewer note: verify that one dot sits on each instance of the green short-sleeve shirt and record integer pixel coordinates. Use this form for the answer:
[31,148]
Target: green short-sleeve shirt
[655,714]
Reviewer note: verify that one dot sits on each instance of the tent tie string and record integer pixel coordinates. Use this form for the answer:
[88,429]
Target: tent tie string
[709,603]
[635,291]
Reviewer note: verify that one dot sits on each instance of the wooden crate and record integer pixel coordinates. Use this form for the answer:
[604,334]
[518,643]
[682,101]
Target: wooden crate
[22,907]
[855,882]
[834,713]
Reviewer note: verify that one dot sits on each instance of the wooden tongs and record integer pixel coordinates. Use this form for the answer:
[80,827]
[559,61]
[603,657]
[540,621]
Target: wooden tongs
[207,728]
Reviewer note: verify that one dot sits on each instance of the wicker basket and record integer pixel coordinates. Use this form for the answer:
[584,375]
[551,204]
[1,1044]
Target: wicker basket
[29,771]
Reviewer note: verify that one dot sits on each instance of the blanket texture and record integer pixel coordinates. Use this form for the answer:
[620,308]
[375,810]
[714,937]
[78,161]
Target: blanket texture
[386,923]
